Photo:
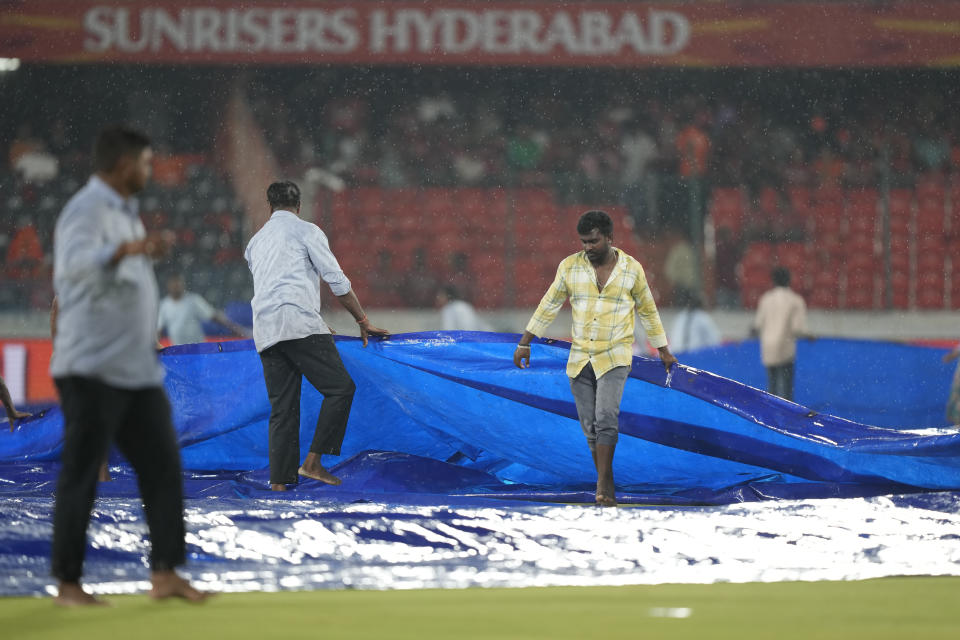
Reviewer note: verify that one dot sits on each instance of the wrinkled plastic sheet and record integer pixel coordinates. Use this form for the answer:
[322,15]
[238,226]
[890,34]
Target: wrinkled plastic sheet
[461,470]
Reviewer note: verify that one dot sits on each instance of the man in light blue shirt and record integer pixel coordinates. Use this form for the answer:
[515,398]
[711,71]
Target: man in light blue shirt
[106,368]
[288,258]
[182,314]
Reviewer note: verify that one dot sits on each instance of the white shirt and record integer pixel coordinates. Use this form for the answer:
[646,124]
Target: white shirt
[781,315]
[107,322]
[459,315]
[183,319]
[288,257]
[693,329]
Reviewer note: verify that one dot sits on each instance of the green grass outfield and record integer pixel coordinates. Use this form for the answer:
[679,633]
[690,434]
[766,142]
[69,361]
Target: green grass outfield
[901,608]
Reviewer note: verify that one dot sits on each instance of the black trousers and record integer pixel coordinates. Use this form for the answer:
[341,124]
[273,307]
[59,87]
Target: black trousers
[284,364]
[95,415]
[780,380]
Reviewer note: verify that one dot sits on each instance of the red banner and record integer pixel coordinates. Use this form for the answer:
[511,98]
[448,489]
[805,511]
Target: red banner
[635,34]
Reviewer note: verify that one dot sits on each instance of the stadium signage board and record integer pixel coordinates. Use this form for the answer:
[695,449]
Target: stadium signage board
[483,33]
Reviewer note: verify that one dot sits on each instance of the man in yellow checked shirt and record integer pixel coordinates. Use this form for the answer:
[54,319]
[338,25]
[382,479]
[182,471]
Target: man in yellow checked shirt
[605,287]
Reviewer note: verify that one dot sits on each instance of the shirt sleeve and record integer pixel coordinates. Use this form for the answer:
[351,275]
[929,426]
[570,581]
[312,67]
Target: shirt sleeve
[647,310]
[800,317]
[162,315]
[82,249]
[318,248]
[204,309]
[550,304]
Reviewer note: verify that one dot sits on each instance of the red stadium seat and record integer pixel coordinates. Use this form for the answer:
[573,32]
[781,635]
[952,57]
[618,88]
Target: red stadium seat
[901,202]
[860,298]
[930,298]
[726,208]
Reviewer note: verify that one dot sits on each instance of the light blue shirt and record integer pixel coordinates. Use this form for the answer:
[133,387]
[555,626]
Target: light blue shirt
[107,321]
[183,318]
[288,258]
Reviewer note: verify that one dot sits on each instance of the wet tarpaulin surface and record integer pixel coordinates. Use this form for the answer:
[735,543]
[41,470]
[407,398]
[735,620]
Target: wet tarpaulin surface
[451,460]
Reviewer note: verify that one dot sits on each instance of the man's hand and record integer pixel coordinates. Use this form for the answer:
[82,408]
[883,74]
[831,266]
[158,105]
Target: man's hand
[155,245]
[521,354]
[15,415]
[667,358]
[367,329]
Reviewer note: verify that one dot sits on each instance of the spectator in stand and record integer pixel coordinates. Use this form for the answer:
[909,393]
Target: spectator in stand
[639,150]
[953,402]
[681,268]
[182,314]
[780,320]
[693,151]
[25,254]
[693,328]
[457,314]
[12,413]
[728,252]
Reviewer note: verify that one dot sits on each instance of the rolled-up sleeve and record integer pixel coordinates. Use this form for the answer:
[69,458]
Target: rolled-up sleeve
[318,248]
[550,304]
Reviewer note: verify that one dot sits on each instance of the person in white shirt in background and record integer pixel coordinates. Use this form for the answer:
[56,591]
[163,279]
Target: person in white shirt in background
[457,314]
[183,313]
[692,328]
[781,319]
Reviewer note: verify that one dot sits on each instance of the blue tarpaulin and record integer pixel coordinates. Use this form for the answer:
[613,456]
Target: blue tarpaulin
[448,414]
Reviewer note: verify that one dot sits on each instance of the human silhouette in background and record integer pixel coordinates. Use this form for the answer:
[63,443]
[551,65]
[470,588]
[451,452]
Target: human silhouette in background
[953,402]
[182,314]
[780,320]
[457,314]
[692,327]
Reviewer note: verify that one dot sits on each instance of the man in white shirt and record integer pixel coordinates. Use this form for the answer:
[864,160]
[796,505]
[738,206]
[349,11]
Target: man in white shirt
[781,318]
[182,314]
[288,258]
[106,368]
[693,328]
[457,314]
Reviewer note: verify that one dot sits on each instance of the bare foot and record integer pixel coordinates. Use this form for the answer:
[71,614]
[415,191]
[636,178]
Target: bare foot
[278,487]
[319,473]
[71,594]
[606,501]
[104,475]
[167,584]
[606,495]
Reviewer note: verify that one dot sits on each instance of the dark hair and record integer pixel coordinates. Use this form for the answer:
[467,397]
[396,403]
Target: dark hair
[598,220]
[114,143]
[450,291]
[781,277]
[282,195]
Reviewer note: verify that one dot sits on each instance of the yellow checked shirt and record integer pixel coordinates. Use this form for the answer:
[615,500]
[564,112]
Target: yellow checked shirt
[602,320]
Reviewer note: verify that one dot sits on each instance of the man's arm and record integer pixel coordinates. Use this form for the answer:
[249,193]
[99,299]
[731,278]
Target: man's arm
[237,329]
[352,304]
[12,414]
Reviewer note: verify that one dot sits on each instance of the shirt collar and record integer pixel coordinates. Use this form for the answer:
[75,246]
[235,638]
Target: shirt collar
[283,213]
[129,205]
